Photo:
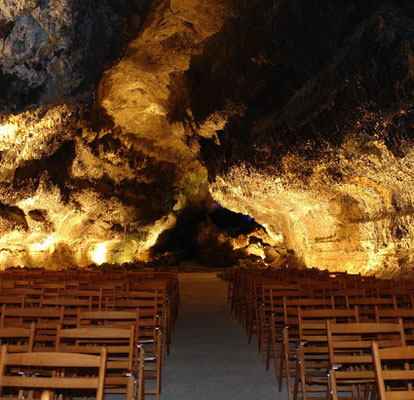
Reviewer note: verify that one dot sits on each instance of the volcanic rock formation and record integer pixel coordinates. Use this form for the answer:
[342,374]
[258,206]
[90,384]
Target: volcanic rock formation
[116,116]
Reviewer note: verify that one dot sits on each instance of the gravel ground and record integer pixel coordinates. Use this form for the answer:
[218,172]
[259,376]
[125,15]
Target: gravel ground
[210,357]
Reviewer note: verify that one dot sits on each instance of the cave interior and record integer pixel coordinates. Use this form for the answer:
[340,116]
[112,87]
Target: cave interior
[256,133]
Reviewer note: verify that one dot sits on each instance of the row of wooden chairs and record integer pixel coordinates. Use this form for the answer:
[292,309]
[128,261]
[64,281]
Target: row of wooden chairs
[298,316]
[123,362]
[71,315]
[104,295]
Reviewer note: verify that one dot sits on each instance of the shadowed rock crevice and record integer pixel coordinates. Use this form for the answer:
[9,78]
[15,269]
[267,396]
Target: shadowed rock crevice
[12,218]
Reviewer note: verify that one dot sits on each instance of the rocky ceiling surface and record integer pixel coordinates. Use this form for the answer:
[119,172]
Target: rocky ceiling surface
[116,115]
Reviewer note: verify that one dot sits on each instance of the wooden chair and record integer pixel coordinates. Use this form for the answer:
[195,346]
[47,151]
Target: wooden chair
[351,364]
[12,300]
[313,358]
[152,314]
[124,365]
[272,319]
[111,318]
[403,297]
[30,294]
[94,297]
[147,334]
[393,383]
[155,291]
[50,372]
[366,306]
[291,336]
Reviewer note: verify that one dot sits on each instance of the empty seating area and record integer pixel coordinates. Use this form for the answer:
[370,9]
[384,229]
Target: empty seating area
[94,334]
[85,334]
[329,335]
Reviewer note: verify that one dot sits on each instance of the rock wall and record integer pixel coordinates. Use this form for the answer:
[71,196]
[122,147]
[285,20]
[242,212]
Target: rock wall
[116,116]
[86,181]
[325,155]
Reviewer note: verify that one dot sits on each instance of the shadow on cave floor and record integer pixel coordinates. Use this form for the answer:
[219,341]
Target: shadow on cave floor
[210,357]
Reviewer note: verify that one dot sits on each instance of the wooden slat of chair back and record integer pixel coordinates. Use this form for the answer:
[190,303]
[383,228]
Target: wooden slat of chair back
[392,315]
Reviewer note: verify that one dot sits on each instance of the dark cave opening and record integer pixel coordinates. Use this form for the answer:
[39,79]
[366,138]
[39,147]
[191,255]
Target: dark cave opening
[206,235]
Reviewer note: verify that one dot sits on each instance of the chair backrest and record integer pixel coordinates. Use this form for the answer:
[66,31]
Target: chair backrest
[392,315]
[350,344]
[312,323]
[108,318]
[90,339]
[45,318]
[386,377]
[18,339]
[46,364]
[12,300]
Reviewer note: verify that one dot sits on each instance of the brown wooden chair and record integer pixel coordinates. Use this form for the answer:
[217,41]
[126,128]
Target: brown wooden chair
[125,362]
[46,320]
[291,337]
[50,372]
[272,320]
[313,358]
[156,291]
[12,300]
[351,369]
[395,381]
[94,297]
[147,334]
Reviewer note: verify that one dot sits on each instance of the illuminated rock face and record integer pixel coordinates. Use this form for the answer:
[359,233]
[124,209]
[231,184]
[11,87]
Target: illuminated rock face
[70,196]
[300,114]
[326,157]
[94,182]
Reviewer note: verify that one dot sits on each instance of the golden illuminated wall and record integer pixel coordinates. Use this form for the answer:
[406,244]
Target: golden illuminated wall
[53,211]
[97,183]
[362,224]
[297,115]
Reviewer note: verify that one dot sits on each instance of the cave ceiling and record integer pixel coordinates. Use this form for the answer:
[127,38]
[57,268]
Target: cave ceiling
[115,116]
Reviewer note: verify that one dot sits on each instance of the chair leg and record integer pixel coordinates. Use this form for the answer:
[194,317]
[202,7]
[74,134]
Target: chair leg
[264,338]
[301,376]
[281,366]
[275,355]
[287,364]
[130,389]
[297,375]
[258,326]
[334,388]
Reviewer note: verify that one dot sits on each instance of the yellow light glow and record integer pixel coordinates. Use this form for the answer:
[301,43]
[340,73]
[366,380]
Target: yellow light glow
[377,256]
[99,254]
[47,245]
[8,131]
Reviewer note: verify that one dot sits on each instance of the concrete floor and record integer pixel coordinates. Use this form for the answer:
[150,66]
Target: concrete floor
[210,358]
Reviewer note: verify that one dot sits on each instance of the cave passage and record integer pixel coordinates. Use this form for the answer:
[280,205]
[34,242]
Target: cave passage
[210,357]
